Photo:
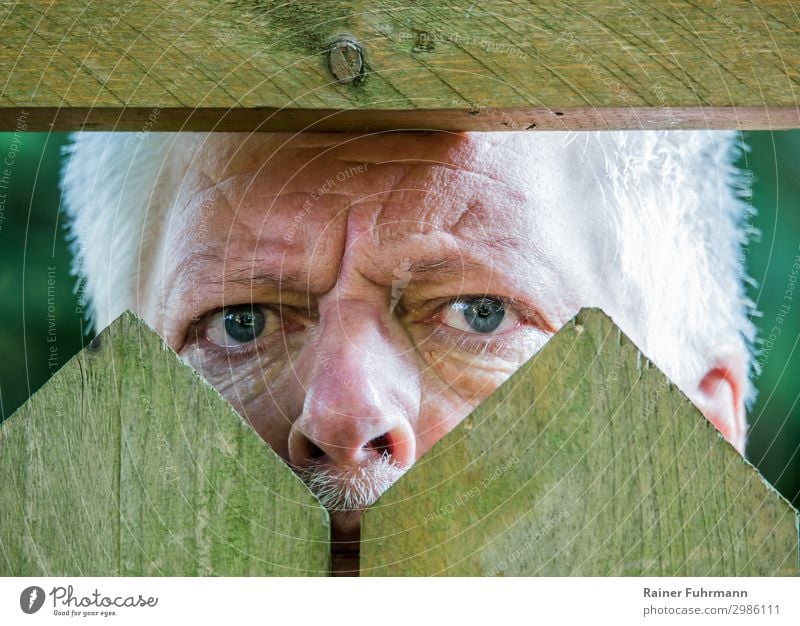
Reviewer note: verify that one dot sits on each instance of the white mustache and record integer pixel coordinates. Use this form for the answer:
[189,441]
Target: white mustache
[350,489]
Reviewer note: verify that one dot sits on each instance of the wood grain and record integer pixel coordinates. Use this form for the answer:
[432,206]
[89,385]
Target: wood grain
[127,463]
[145,65]
[587,462]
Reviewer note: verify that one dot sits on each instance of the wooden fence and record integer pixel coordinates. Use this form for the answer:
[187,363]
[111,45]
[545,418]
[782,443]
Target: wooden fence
[522,65]
[587,461]
[128,463]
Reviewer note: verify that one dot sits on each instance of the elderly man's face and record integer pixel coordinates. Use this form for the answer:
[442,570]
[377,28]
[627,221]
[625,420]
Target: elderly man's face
[356,297]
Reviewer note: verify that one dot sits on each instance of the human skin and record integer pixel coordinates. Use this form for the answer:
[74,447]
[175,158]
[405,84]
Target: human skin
[367,257]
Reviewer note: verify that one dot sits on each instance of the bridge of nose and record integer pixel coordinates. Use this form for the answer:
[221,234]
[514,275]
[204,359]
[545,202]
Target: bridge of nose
[361,381]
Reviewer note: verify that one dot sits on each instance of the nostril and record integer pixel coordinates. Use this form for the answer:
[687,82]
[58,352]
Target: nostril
[314,451]
[382,445]
[344,447]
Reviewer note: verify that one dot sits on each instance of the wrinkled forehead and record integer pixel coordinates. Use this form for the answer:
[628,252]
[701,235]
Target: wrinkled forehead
[404,181]
[225,152]
[302,201]
[273,192]
[290,162]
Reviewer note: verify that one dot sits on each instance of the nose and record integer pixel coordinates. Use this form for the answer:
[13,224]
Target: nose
[361,395]
[351,441]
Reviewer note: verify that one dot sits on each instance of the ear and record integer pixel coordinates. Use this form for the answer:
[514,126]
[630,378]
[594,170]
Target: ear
[720,396]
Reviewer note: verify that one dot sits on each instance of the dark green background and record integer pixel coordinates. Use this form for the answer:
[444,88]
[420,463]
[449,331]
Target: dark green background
[32,239]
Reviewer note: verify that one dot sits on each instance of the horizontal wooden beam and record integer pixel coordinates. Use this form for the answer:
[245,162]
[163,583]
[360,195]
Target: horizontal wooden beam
[361,120]
[347,65]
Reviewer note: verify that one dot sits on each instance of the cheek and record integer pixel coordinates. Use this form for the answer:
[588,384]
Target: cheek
[452,389]
[257,389]
[440,413]
[467,376]
[455,383]
[474,374]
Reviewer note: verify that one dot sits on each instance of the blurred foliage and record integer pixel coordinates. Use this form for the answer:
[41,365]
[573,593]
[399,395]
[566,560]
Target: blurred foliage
[41,325]
[37,300]
[774,442]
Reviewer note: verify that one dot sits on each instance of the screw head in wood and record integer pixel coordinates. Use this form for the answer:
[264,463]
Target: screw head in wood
[346,59]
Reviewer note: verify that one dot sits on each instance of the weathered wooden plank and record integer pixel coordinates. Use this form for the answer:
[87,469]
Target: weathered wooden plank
[511,64]
[127,462]
[203,493]
[59,469]
[587,461]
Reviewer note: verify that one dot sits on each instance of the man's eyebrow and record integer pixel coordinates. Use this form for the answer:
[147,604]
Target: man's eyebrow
[449,265]
[443,268]
[253,276]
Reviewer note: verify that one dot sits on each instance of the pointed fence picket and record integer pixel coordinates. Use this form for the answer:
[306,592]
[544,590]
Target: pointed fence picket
[587,461]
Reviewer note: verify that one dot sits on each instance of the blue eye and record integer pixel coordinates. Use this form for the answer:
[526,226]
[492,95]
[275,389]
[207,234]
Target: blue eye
[244,323]
[239,324]
[479,314]
[484,315]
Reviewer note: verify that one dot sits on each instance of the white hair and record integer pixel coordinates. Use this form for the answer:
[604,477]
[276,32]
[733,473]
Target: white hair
[680,206]
[352,488]
[675,198]
[114,205]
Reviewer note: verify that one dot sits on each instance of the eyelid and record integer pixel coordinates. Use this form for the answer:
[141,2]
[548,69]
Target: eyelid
[446,309]
[225,354]
[500,345]
[530,314]
[216,325]
[509,303]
